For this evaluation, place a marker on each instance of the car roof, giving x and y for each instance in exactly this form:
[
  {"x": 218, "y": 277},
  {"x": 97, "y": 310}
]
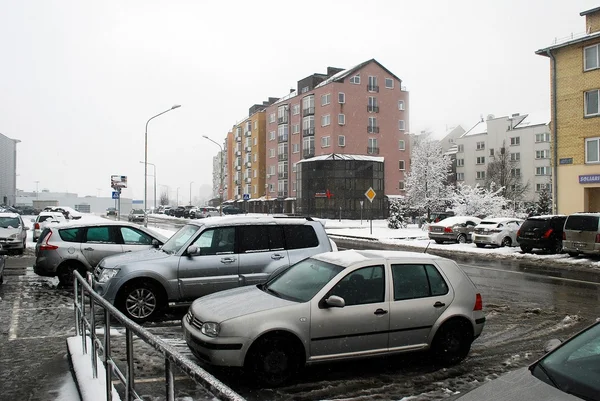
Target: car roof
[
  {"x": 546, "y": 217},
  {"x": 456, "y": 219},
  {"x": 352, "y": 257},
  {"x": 51, "y": 214},
  {"x": 249, "y": 220},
  {"x": 97, "y": 224},
  {"x": 8, "y": 214},
  {"x": 499, "y": 219},
  {"x": 594, "y": 214}
]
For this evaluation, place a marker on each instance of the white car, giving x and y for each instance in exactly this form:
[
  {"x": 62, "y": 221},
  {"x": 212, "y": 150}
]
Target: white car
[
  {"x": 500, "y": 231},
  {"x": 43, "y": 219}
]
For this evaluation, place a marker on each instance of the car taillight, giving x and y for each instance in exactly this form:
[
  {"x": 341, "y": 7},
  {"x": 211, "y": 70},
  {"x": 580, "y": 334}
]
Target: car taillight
[
  {"x": 518, "y": 233},
  {"x": 565, "y": 236},
  {"x": 36, "y": 226},
  {"x": 430, "y": 228},
  {"x": 548, "y": 233},
  {"x": 478, "y": 303},
  {"x": 597, "y": 238},
  {"x": 45, "y": 245},
  {"x": 447, "y": 229}
]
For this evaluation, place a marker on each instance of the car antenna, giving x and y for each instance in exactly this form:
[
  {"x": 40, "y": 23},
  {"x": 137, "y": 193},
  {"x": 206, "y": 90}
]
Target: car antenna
[{"x": 427, "y": 247}]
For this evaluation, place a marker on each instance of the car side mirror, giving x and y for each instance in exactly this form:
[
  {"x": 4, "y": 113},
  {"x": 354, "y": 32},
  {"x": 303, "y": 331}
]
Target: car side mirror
[
  {"x": 552, "y": 344},
  {"x": 335, "y": 302},
  {"x": 155, "y": 243},
  {"x": 193, "y": 250}
]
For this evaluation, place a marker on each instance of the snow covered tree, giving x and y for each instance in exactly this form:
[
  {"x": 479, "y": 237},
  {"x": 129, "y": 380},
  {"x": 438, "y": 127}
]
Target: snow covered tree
[
  {"x": 398, "y": 211},
  {"x": 504, "y": 170},
  {"x": 427, "y": 189},
  {"x": 479, "y": 201},
  {"x": 164, "y": 198},
  {"x": 544, "y": 203}
]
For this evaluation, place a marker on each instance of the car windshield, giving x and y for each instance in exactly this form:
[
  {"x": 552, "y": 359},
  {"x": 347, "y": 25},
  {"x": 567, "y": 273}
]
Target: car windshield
[
  {"x": 180, "y": 238},
  {"x": 303, "y": 280},
  {"x": 582, "y": 223},
  {"x": 9, "y": 222},
  {"x": 137, "y": 211},
  {"x": 574, "y": 366}
]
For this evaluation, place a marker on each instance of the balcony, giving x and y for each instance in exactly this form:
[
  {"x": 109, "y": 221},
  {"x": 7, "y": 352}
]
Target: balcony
[
  {"x": 308, "y": 111},
  {"x": 308, "y": 131},
  {"x": 373, "y": 129},
  {"x": 284, "y": 119},
  {"x": 373, "y": 109},
  {"x": 238, "y": 138},
  {"x": 248, "y": 133},
  {"x": 237, "y": 182},
  {"x": 372, "y": 150},
  {"x": 248, "y": 149},
  {"x": 282, "y": 156},
  {"x": 310, "y": 152},
  {"x": 282, "y": 138},
  {"x": 238, "y": 153},
  {"x": 248, "y": 164},
  {"x": 282, "y": 175},
  {"x": 248, "y": 180},
  {"x": 238, "y": 168},
  {"x": 282, "y": 194},
  {"x": 373, "y": 88}
]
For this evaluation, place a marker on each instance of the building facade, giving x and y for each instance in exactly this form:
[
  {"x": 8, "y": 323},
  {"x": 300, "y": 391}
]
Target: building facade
[
  {"x": 575, "y": 103},
  {"x": 8, "y": 170}
]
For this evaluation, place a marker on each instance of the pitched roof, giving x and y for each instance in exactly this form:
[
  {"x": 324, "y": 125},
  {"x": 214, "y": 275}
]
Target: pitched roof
[
  {"x": 590, "y": 11},
  {"x": 571, "y": 40},
  {"x": 339, "y": 156},
  {"x": 343, "y": 74}
]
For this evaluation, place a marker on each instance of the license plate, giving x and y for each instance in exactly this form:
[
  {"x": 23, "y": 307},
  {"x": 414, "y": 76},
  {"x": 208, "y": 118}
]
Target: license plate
[{"x": 580, "y": 245}]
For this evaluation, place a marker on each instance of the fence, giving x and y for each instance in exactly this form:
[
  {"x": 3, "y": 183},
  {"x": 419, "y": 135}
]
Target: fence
[{"x": 87, "y": 326}]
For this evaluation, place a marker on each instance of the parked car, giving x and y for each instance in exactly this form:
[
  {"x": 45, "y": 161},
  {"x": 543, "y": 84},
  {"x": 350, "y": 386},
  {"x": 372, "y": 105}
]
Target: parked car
[
  {"x": 2, "y": 262},
  {"x": 167, "y": 210},
  {"x": 454, "y": 229},
  {"x": 349, "y": 304},
  {"x": 207, "y": 211},
  {"x": 68, "y": 212},
  {"x": 136, "y": 215},
  {"x": 178, "y": 211},
  {"x": 436, "y": 217},
  {"x": 43, "y": 219},
  {"x": 542, "y": 232},
  {"x": 13, "y": 232},
  {"x": 567, "y": 372},
  {"x": 64, "y": 249},
  {"x": 186, "y": 211},
  {"x": 111, "y": 211},
  {"x": 204, "y": 257},
  {"x": 581, "y": 234},
  {"x": 192, "y": 212},
  {"x": 229, "y": 209},
  {"x": 500, "y": 231}
]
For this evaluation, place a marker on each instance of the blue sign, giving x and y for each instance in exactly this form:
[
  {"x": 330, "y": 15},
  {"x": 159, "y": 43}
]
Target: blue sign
[
  {"x": 589, "y": 179},
  {"x": 115, "y": 195},
  {"x": 566, "y": 160},
  {"x": 246, "y": 196},
  {"x": 137, "y": 202}
]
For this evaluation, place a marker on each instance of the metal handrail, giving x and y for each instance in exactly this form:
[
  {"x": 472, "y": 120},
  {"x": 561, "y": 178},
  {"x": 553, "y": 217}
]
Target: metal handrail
[{"x": 85, "y": 327}]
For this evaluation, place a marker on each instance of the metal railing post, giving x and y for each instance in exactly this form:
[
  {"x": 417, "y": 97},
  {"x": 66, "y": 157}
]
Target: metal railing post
[
  {"x": 77, "y": 319},
  {"x": 169, "y": 380},
  {"x": 107, "y": 364},
  {"x": 83, "y": 328},
  {"x": 93, "y": 335},
  {"x": 129, "y": 388}
]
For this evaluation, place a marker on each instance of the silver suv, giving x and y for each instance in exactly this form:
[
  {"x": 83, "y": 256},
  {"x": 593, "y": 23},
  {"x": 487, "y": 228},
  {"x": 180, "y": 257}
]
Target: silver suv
[
  {"x": 66, "y": 248},
  {"x": 206, "y": 256},
  {"x": 13, "y": 232}
]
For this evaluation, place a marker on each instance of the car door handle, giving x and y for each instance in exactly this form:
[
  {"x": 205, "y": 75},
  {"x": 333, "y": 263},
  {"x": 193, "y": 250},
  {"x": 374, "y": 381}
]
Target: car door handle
[
  {"x": 277, "y": 256},
  {"x": 380, "y": 311},
  {"x": 88, "y": 249},
  {"x": 227, "y": 260},
  {"x": 438, "y": 304}
]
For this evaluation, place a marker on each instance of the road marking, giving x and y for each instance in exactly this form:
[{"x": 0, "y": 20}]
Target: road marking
[
  {"x": 531, "y": 274},
  {"x": 14, "y": 320}
]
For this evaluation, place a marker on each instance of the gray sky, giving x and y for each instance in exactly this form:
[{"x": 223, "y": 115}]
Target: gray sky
[{"x": 79, "y": 79}]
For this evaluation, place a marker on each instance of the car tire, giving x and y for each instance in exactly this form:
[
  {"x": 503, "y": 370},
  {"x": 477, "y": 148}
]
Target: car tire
[
  {"x": 526, "y": 249},
  {"x": 439, "y": 241},
  {"x": 480, "y": 245},
  {"x": 272, "y": 360},
  {"x": 573, "y": 254},
  {"x": 140, "y": 301},
  {"x": 65, "y": 273},
  {"x": 556, "y": 247},
  {"x": 461, "y": 239},
  {"x": 1, "y": 276},
  {"x": 452, "y": 343},
  {"x": 506, "y": 242}
]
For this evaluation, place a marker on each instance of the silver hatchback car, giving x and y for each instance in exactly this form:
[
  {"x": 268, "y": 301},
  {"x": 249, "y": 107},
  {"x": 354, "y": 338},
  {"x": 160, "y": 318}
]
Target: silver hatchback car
[{"x": 335, "y": 306}]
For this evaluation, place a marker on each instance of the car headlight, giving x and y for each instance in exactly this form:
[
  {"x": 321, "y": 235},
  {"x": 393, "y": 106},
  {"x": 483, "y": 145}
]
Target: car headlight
[
  {"x": 107, "y": 274},
  {"x": 13, "y": 236},
  {"x": 210, "y": 329}
]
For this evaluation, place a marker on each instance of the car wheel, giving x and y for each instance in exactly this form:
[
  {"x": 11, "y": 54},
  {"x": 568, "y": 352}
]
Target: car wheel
[
  {"x": 461, "y": 239},
  {"x": 2, "y": 277},
  {"x": 573, "y": 254},
  {"x": 556, "y": 246},
  {"x": 506, "y": 242},
  {"x": 439, "y": 241},
  {"x": 140, "y": 301},
  {"x": 452, "y": 343},
  {"x": 480, "y": 245},
  {"x": 65, "y": 273},
  {"x": 272, "y": 360},
  {"x": 526, "y": 249}
]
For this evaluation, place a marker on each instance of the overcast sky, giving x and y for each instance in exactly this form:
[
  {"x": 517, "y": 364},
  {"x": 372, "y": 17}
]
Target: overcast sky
[{"x": 79, "y": 79}]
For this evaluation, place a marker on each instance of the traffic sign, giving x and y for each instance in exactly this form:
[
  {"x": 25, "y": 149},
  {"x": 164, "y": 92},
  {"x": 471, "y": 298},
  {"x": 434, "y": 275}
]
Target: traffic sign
[
  {"x": 115, "y": 195},
  {"x": 370, "y": 194},
  {"x": 246, "y": 196}
]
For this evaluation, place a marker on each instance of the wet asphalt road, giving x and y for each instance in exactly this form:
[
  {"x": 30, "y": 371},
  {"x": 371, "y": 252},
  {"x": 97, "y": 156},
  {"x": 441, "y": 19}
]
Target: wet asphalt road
[{"x": 523, "y": 311}]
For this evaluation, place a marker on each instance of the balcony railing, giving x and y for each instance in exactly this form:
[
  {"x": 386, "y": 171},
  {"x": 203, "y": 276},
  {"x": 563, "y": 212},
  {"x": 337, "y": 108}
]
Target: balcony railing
[
  {"x": 308, "y": 131},
  {"x": 282, "y": 175},
  {"x": 248, "y": 164},
  {"x": 310, "y": 152},
  {"x": 309, "y": 111},
  {"x": 282, "y": 194},
  {"x": 248, "y": 133},
  {"x": 373, "y": 88},
  {"x": 238, "y": 138},
  {"x": 283, "y": 156},
  {"x": 248, "y": 180},
  {"x": 372, "y": 129},
  {"x": 282, "y": 138},
  {"x": 373, "y": 109},
  {"x": 248, "y": 149},
  {"x": 238, "y": 168},
  {"x": 283, "y": 120},
  {"x": 372, "y": 151}
]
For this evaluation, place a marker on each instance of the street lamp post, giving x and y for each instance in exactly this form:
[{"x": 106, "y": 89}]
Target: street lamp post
[
  {"x": 220, "y": 174},
  {"x": 191, "y": 192},
  {"x": 146, "y": 159},
  {"x": 154, "y": 170},
  {"x": 177, "y": 196}
]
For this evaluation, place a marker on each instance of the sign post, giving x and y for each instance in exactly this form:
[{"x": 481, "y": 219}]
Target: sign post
[
  {"x": 361, "y": 209},
  {"x": 118, "y": 182},
  {"x": 370, "y": 194}
]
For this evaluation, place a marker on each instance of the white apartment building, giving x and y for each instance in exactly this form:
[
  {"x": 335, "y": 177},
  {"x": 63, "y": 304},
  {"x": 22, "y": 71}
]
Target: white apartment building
[
  {"x": 8, "y": 170},
  {"x": 527, "y": 139}
]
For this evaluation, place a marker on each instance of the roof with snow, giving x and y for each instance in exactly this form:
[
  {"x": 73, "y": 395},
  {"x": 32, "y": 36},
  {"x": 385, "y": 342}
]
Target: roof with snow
[
  {"x": 537, "y": 118},
  {"x": 478, "y": 129},
  {"x": 338, "y": 156},
  {"x": 343, "y": 74},
  {"x": 570, "y": 40},
  {"x": 286, "y": 97}
]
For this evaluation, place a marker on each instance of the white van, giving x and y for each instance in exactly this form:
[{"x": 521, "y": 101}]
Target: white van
[{"x": 582, "y": 234}]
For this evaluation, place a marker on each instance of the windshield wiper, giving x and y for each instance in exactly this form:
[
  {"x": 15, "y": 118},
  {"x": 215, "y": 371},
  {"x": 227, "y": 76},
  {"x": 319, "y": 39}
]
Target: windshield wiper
[
  {"x": 278, "y": 295},
  {"x": 543, "y": 369}
]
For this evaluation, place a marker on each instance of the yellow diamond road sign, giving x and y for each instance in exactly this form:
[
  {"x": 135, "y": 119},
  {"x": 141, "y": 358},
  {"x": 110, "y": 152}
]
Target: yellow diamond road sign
[{"x": 370, "y": 194}]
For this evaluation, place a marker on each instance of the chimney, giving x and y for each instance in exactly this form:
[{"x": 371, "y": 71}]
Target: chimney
[
  {"x": 292, "y": 90},
  {"x": 592, "y": 20}
]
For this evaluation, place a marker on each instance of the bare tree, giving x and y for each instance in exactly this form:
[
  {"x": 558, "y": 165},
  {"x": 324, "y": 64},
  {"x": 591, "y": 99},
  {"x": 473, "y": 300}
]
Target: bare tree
[
  {"x": 164, "y": 198},
  {"x": 504, "y": 171}
]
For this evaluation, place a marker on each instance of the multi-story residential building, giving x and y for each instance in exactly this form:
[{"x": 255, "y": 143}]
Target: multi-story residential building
[
  {"x": 527, "y": 139},
  {"x": 8, "y": 170},
  {"x": 575, "y": 98},
  {"x": 448, "y": 141},
  {"x": 358, "y": 115}
]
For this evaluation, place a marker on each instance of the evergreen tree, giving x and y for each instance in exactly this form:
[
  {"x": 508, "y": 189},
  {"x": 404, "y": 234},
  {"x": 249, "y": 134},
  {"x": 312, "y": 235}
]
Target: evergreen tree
[{"x": 398, "y": 210}]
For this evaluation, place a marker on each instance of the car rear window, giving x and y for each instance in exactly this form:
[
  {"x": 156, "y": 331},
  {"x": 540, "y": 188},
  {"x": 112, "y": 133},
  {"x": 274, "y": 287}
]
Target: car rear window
[
  {"x": 535, "y": 223},
  {"x": 582, "y": 223},
  {"x": 300, "y": 236},
  {"x": 67, "y": 234}
]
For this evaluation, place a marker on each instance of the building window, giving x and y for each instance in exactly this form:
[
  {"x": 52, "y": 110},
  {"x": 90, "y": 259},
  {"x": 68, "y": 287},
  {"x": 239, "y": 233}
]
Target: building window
[
  {"x": 271, "y": 153},
  {"x": 401, "y": 125},
  {"x": 545, "y": 137},
  {"x": 480, "y": 160},
  {"x": 294, "y": 186},
  {"x": 592, "y": 150},
  {"x": 389, "y": 83},
  {"x": 325, "y": 141},
  {"x": 304, "y": 90},
  {"x": 401, "y": 185},
  {"x": 282, "y": 149},
  {"x": 255, "y": 173},
  {"x": 341, "y": 98},
  {"x": 255, "y": 157},
  {"x": 515, "y": 157},
  {"x": 492, "y": 152},
  {"x": 325, "y": 99},
  {"x": 480, "y": 175},
  {"x": 515, "y": 172},
  {"x": 255, "y": 141},
  {"x": 325, "y": 120},
  {"x": 272, "y": 117},
  {"x": 460, "y": 162},
  {"x": 296, "y": 129},
  {"x": 373, "y": 148},
  {"x": 542, "y": 170},
  {"x": 460, "y": 176},
  {"x": 372, "y": 104},
  {"x": 296, "y": 109},
  {"x": 341, "y": 140},
  {"x": 401, "y": 165},
  {"x": 480, "y": 146},
  {"x": 372, "y": 122},
  {"x": 591, "y": 56},
  {"x": 372, "y": 85},
  {"x": 295, "y": 148},
  {"x": 515, "y": 141},
  {"x": 294, "y": 167},
  {"x": 272, "y": 136},
  {"x": 461, "y": 148},
  {"x": 271, "y": 187},
  {"x": 541, "y": 187},
  {"x": 355, "y": 79},
  {"x": 401, "y": 144},
  {"x": 341, "y": 119},
  {"x": 255, "y": 124},
  {"x": 591, "y": 103},
  {"x": 400, "y": 104},
  {"x": 542, "y": 154},
  {"x": 272, "y": 170}
]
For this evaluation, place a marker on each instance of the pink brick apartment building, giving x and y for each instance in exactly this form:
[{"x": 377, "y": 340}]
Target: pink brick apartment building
[{"x": 335, "y": 136}]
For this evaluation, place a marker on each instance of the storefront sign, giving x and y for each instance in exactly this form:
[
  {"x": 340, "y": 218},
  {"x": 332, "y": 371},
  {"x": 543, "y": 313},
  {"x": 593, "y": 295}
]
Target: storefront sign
[
  {"x": 566, "y": 160},
  {"x": 589, "y": 179}
]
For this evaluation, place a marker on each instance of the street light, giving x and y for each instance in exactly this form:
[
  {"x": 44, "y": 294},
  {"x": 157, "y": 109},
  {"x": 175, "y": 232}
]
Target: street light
[
  {"x": 220, "y": 174},
  {"x": 177, "y": 196},
  {"x": 154, "y": 167},
  {"x": 191, "y": 192},
  {"x": 146, "y": 158}
]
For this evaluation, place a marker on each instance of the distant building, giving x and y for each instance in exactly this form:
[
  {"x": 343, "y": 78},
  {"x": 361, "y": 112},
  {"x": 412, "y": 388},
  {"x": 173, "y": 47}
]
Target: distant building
[
  {"x": 8, "y": 170},
  {"x": 575, "y": 98},
  {"x": 94, "y": 204}
]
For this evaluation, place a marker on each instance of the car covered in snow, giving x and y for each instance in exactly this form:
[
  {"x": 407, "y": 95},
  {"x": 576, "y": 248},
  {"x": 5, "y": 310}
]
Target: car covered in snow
[
  {"x": 499, "y": 231},
  {"x": 13, "y": 232},
  {"x": 453, "y": 229}
]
